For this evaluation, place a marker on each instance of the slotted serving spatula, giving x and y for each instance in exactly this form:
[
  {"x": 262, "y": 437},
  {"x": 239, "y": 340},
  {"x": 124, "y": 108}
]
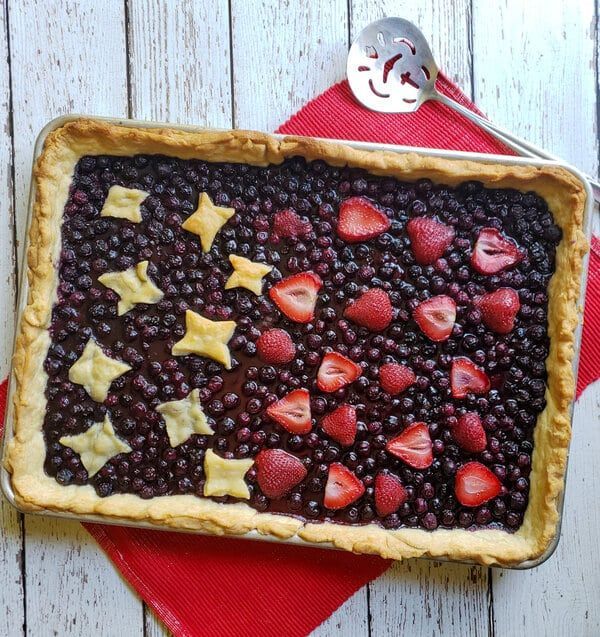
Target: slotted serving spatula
[{"x": 391, "y": 69}]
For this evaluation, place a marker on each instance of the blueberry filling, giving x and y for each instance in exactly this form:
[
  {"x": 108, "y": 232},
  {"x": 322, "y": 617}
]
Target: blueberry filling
[{"x": 236, "y": 400}]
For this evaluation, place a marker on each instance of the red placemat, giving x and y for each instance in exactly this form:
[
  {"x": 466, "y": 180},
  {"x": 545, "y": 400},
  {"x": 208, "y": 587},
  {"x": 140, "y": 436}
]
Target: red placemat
[{"x": 209, "y": 587}]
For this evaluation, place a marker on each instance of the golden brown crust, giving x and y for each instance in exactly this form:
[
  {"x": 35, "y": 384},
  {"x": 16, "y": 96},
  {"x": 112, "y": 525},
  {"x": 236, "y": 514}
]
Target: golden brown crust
[{"x": 34, "y": 490}]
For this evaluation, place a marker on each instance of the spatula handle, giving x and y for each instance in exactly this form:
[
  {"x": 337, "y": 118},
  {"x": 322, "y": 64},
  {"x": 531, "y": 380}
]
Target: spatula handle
[{"x": 517, "y": 144}]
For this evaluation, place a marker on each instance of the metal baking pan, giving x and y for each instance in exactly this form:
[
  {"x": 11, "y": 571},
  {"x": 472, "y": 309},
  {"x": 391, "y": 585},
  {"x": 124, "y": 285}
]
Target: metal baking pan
[{"x": 5, "y": 482}]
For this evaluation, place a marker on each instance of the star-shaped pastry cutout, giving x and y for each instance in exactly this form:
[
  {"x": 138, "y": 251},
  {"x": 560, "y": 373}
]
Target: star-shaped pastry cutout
[
  {"x": 207, "y": 221},
  {"x": 96, "y": 371},
  {"x": 225, "y": 477},
  {"x": 247, "y": 274},
  {"x": 124, "y": 203},
  {"x": 133, "y": 286},
  {"x": 184, "y": 418},
  {"x": 97, "y": 445},
  {"x": 205, "y": 338}
]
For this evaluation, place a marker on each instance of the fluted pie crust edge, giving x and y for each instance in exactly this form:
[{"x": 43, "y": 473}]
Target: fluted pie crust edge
[{"x": 34, "y": 490}]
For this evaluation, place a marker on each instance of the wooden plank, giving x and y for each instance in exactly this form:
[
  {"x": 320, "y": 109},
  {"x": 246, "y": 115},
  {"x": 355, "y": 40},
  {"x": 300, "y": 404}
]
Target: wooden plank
[
  {"x": 12, "y": 593},
  {"x": 539, "y": 82},
  {"x": 153, "y": 627},
  {"x": 284, "y": 54},
  {"x": 76, "y": 65},
  {"x": 534, "y": 73},
  {"x": 351, "y": 619},
  {"x": 179, "y": 62},
  {"x": 560, "y": 597},
  {"x": 7, "y": 247},
  {"x": 430, "y": 598},
  {"x": 445, "y": 25},
  {"x": 12, "y": 590},
  {"x": 293, "y": 58},
  {"x": 72, "y": 589},
  {"x": 179, "y": 71},
  {"x": 421, "y": 597}
]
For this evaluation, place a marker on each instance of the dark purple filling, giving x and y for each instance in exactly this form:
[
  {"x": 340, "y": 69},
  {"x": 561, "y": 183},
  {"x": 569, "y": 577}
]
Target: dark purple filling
[{"x": 235, "y": 400}]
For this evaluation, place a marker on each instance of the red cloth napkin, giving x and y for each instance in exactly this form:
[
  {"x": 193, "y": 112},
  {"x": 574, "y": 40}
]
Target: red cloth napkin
[
  {"x": 589, "y": 357},
  {"x": 217, "y": 586}
]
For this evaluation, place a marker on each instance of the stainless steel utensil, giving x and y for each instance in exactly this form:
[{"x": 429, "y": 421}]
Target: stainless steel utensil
[{"x": 391, "y": 69}]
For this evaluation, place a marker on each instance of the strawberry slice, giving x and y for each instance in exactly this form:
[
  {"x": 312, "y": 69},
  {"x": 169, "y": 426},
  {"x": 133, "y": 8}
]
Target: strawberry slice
[
  {"x": 292, "y": 412},
  {"x": 499, "y": 309},
  {"x": 436, "y": 317},
  {"x": 373, "y": 310},
  {"x": 390, "y": 494},
  {"x": 475, "y": 484},
  {"x": 276, "y": 346},
  {"x": 278, "y": 472},
  {"x": 336, "y": 371},
  {"x": 469, "y": 433},
  {"x": 395, "y": 378},
  {"x": 296, "y": 296},
  {"x": 466, "y": 377},
  {"x": 342, "y": 488},
  {"x": 429, "y": 239},
  {"x": 287, "y": 223},
  {"x": 494, "y": 252},
  {"x": 340, "y": 424},
  {"x": 360, "y": 220},
  {"x": 413, "y": 446}
]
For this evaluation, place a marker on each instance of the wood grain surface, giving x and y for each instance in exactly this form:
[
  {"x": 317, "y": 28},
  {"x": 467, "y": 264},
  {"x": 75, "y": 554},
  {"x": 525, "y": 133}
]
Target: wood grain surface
[
  {"x": 531, "y": 66},
  {"x": 75, "y": 63},
  {"x": 11, "y": 537},
  {"x": 284, "y": 53}
]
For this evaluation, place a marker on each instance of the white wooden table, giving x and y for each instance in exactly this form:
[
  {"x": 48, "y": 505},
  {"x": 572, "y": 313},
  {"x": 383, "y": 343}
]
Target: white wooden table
[{"x": 530, "y": 65}]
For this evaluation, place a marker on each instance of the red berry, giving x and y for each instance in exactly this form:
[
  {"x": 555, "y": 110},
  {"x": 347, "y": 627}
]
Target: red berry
[
  {"x": 286, "y": 223},
  {"x": 296, "y": 296},
  {"x": 413, "y": 446},
  {"x": 336, "y": 371},
  {"x": 390, "y": 494},
  {"x": 360, "y": 220},
  {"x": 499, "y": 309},
  {"x": 466, "y": 377},
  {"x": 493, "y": 252},
  {"x": 342, "y": 488},
  {"x": 372, "y": 310},
  {"x": 475, "y": 484},
  {"x": 395, "y": 378},
  {"x": 292, "y": 412},
  {"x": 276, "y": 346},
  {"x": 340, "y": 424},
  {"x": 469, "y": 433},
  {"x": 429, "y": 239},
  {"x": 436, "y": 317},
  {"x": 278, "y": 472}
]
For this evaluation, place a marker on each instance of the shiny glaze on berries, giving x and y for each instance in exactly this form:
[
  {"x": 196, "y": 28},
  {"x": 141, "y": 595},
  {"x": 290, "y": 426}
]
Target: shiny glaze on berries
[{"x": 235, "y": 401}]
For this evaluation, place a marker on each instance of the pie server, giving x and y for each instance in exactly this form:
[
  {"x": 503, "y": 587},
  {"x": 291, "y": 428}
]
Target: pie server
[{"x": 391, "y": 69}]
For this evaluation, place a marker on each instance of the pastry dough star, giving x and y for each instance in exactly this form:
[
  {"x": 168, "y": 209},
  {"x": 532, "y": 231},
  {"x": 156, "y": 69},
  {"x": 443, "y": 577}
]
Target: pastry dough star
[
  {"x": 205, "y": 338},
  {"x": 133, "y": 286},
  {"x": 184, "y": 418},
  {"x": 247, "y": 274},
  {"x": 124, "y": 203},
  {"x": 97, "y": 445},
  {"x": 225, "y": 477},
  {"x": 207, "y": 221},
  {"x": 96, "y": 371}
]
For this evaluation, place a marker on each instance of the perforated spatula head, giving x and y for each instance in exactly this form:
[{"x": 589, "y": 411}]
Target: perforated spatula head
[{"x": 390, "y": 67}]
